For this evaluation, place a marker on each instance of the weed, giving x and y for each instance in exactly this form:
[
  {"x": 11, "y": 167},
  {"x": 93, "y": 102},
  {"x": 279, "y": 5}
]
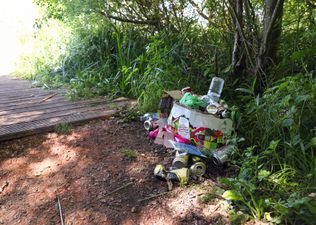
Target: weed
[
  {"x": 205, "y": 198},
  {"x": 129, "y": 114},
  {"x": 129, "y": 154},
  {"x": 63, "y": 128}
]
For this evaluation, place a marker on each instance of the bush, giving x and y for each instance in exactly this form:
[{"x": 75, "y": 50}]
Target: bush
[{"x": 278, "y": 174}]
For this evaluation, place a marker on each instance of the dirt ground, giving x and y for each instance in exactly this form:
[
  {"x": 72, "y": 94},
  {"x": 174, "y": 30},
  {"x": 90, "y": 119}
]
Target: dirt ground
[{"x": 86, "y": 168}]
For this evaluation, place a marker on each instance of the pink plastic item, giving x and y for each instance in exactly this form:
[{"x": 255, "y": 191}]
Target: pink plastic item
[
  {"x": 153, "y": 134},
  {"x": 180, "y": 139}
]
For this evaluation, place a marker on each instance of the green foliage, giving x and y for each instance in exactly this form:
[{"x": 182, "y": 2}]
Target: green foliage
[
  {"x": 277, "y": 179},
  {"x": 284, "y": 112},
  {"x": 129, "y": 154},
  {"x": 206, "y": 197},
  {"x": 63, "y": 128},
  {"x": 39, "y": 60}
]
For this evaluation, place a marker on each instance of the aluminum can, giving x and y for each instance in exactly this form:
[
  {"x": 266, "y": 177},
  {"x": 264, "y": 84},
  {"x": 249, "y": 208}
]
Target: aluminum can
[
  {"x": 221, "y": 155},
  {"x": 181, "y": 160},
  {"x": 198, "y": 169}
]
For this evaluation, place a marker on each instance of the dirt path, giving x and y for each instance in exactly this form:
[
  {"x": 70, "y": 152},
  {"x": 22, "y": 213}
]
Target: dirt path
[{"x": 83, "y": 168}]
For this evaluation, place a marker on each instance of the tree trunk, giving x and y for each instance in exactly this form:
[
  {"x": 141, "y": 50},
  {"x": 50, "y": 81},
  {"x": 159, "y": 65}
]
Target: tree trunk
[
  {"x": 238, "y": 59},
  {"x": 269, "y": 42}
]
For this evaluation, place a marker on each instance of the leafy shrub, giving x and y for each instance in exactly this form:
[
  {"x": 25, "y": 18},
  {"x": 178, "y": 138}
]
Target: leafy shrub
[{"x": 278, "y": 174}]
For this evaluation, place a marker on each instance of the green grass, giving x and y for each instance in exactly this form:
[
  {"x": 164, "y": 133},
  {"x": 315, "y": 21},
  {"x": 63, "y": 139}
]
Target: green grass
[
  {"x": 63, "y": 128},
  {"x": 129, "y": 154},
  {"x": 205, "y": 198}
]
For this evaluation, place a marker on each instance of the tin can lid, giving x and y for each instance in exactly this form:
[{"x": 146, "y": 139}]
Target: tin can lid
[{"x": 212, "y": 109}]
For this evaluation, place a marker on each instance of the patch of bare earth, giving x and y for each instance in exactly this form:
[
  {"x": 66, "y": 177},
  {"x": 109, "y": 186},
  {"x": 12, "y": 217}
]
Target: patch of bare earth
[{"x": 85, "y": 170}]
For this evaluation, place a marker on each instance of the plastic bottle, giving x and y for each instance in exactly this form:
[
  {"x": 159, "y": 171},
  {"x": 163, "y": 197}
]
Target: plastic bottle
[{"x": 216, "y": 88}]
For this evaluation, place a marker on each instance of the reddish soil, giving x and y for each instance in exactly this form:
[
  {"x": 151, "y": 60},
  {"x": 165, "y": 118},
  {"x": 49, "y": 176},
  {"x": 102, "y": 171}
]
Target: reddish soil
[{"x": 83, "y": 168}]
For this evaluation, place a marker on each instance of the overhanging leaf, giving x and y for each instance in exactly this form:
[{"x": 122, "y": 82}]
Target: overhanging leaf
[
  {"x": 232, "y": 195},
  {"x": 245, "y": 90}
]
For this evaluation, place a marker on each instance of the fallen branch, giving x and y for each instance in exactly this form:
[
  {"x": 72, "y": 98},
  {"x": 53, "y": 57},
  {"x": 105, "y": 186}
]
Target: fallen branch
[
  {"x": 60, "y": 212},
  {"x": 48, "y": 97},
  {"x": 4, "y": 185},
  {"x": 118, "y": 189},
  {"x": 153, "y": 196}
]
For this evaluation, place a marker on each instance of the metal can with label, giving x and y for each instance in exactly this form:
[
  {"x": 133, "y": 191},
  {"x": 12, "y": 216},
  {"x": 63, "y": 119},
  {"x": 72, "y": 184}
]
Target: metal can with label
[{"x": 181, "y": 160}]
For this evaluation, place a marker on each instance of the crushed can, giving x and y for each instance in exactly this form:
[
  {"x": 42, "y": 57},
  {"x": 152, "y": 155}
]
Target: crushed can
[
  {"x": 145, "y": 117},
  {"x": 181, "y": 160},
  {"x": 179, "y": 175},
  {"x": 150, "y": 125},
  {"x": 198, "y": 169},
  {"x": 160, "y": 172},
  {"x": 221, "y": 155}
]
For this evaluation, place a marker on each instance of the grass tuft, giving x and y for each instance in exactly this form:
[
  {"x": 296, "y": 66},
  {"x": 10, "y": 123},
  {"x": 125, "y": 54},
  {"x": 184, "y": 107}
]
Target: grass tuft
[
  {"x": 63, "y": 128},
  {"x": 129, "y": 154}
]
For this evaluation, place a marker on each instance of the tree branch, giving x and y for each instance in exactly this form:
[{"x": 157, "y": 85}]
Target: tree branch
[
  {"x": 202, "y": 14},
  {"x": 126, "y": 20},
  {"x": 242, "y": 34}
]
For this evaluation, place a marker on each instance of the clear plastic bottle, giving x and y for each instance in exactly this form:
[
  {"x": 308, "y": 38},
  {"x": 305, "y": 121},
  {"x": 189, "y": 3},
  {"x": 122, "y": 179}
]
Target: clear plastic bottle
[{"x": 216, "y": 88}]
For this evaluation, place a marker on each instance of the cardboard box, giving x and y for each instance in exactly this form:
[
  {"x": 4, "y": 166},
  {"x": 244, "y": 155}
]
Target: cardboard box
[{"x": 201, "y": 119}]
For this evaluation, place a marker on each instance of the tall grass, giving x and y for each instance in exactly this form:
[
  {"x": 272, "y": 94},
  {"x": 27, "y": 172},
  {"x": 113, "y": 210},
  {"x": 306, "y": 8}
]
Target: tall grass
[
  {"x": 108, "y": 59},
  {"x": 280, "y": 168}
]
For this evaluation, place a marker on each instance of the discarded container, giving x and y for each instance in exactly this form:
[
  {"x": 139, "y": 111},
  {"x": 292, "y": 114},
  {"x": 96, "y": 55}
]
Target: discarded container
[
  {"x": 153, "y": 134},
  {"x": 206, "y": 99},
  {"x": 192, "y": 101},
  {"x": 184, "y": 127},
  {"x": 145, "y": 117},
  {"x": 212, "y": 109},
  {"x": 223, "y": 113},
  {"x": 179, "y": 175},
  {"x": 185, "y": 90},
  {"x": 150, "y": 125},
  {"x": 216, "y": 88},
  {"x": 195, "y": 158},
  {"x": 160, "y": 172},
  {"x": 198, "y": 169},
  {"x": 153, "y": 116},
  {"x": 221, "y": 155},
  {"x": 181, "y": 160}
]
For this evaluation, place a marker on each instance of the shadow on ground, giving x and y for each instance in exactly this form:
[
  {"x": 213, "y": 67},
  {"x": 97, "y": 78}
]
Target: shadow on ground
[{"x": 85, "y": 170}]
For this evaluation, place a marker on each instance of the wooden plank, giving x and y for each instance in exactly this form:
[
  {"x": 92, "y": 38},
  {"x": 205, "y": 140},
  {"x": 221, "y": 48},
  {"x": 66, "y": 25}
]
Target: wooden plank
[
  {"x": 56, "y": 113},
  {"x": 31, "y": 100},
  {"x": 16, "y": 84},
  {"x": 21, "y": 112},
  {"x": 44, "y": 126},
  {"x": 51, "y": 103},
  {"x": 67, "y": 108},
  {"x": 7, "y": 98},
  {"x": 27, "y": 91}
]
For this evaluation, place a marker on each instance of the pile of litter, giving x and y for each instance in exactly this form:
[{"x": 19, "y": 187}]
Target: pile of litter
[{"x": 198, "y": 128}]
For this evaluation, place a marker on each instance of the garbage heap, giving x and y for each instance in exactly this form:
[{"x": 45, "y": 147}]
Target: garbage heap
[{"x": 196, "y": 127}]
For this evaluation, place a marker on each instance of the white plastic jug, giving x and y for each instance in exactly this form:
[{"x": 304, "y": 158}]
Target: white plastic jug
[{"x": 216, "y": 88}]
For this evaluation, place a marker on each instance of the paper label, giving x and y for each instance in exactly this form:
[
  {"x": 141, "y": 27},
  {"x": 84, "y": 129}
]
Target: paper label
[{"x": 184, "y": 127}]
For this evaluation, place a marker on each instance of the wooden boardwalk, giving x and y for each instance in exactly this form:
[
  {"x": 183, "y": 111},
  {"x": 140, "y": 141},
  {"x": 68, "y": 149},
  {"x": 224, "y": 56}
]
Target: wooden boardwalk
[{"x": 25, "y": 110}]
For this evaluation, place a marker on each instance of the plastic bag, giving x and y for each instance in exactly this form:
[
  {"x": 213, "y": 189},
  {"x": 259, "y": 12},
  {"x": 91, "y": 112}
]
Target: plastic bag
[{"x": 192, "y": 101}]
